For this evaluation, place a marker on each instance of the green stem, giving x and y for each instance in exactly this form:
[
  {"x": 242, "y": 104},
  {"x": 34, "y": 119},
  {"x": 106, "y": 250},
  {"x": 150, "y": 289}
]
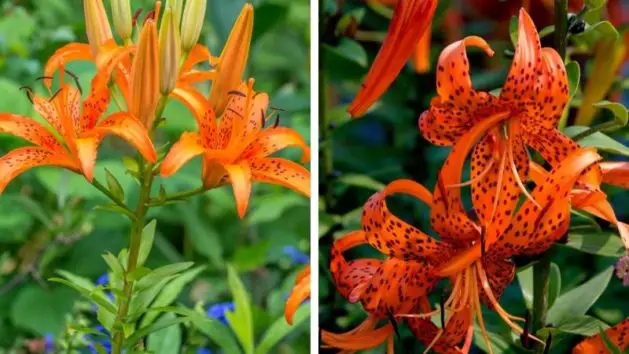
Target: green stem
[
  {"x": 561, "y": 26},
  {"x": 327, "y": 163},
  {"x": 176, "y": 196},
  {"x": 595, "y": 129},
  {"x": 112, "y": 197}
]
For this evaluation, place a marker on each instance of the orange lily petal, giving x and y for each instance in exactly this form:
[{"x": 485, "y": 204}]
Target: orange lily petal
[
  {"x": 273, "y": 140},
  {"x": 300, "y": 292},
  {"x": 196, "y": 103},
  {"x": 196, "y": 77},
  {"x": 282, "y": 172},
  {"x": 130, "y": 129},
  {"x": 64, "y": 55},
  {"x": 410, "y": 20},
  {"x": 188, "y": 147},
  {"x": 20, "y": 160},
  {"x": 87, "y": 150},
  {"x": 48, "y": 111},
  {"x": 391, "y": 235},
  {"x": 350, "y": 275},
  {"x": 421, "y": 58},
  {"x": 240, "y": 179},
  {"x": 233, "y": 115},
  {"x": 619, "y": 335},
  {"x": 197, "y": 55},
  {"x": 616, "y": 173},
  {"x": 499, "y": 273},
  {"x": 455, "y": 331},
  {"x": 365, "y": 336},
  {"x": 28, "y": 129},
  {"x": 521, "y": 81}
]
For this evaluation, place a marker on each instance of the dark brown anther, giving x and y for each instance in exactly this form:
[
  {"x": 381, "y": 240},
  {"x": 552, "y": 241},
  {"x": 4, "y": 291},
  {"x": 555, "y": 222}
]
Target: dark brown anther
[
  {"x": 55, "y": 94},
  {"x": 44, "y": 78},
  {"x": 278, "y": 109},
  {"x": 76, "y": 80},
  {"x": 277, "y": 121},
  {"x": 29, "y": 92},
  {"x": 442, "y": 314},
  {"x": 237, "y": 93},
  {"x": 136, "y": 15},
  {"x": 149, "y": 16},
  {"x": 262, "y": 118},
  {"x": 396, "y": 329},
  {"x": 549, "y": 341},
  {"x": 525, "y": 336}
]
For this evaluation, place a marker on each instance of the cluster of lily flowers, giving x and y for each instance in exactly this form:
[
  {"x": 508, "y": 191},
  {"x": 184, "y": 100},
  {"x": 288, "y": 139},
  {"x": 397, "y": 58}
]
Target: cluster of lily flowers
[
  {"x": 475, "y": 247},
  {"x": 156, "y": 57}
]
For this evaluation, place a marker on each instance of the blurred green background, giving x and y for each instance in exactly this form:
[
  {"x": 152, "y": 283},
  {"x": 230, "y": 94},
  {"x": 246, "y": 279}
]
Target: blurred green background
[
  {"x": 48, "y": 219},
  {"x": 358, "y": 157}
]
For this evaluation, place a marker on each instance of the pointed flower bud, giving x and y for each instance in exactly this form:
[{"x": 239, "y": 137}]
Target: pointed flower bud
[
  {"x": 233, "y": 60},
  {"x": 121, "y": 12},
  {"x": 191, "y": 23},
  {"x": 96, "y": 24},
  {"x": 145, "y": 75},
  {"x": 177, "y": 6},
  {"x": 170, "y": 51}
]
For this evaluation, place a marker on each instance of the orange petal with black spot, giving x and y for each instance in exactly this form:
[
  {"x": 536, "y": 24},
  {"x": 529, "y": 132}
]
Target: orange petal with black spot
[
  {"x": 28, "y": 129},
  {"x": 64, "y": 55},
  {"x": 365, "y": 336},
  {"x": 188, "y": 147},
  {"x": 616, "y": 173},
  {"x": 410, "y": 20},
  {"x": 240, "y": 179},
  {"x": 455, "y": 332},
  {"x": 273, "y": 140},
  {"x": 130, "y": 129},
  {"x": 282, "y": 172},
  {"x": 20, "y": 160},
  {"x": 300, "y": 292},
  {"x": 618, "y": 334}
]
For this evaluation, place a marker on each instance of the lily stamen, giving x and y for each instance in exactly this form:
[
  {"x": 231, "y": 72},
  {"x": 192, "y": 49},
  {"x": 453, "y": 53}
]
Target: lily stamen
[
  {"x": 475, "y": 179},
  {"x": 516, "y": 175}
]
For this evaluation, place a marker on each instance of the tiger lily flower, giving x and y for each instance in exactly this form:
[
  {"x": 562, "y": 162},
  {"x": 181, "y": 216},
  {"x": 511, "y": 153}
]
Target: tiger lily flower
[
  {"x": 618, "y": 334},
  {"x": 77, "y": 130},
  {"x": 524, "y": 116},
  {"x": 411, "y": 19},
  {"x": 238, "y": 149},
  {"x": 300, "y": 292}
]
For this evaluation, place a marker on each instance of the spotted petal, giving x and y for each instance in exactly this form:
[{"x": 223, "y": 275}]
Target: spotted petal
[
  {"x": 28, "y": 129},
  {"x": 188, "y": 147},
  {"x": 618, "y": 334},
  {"x": 273, "y": 140},
  {"x": 20, "y": 160},
  {"x": 300, "y": 292},
  {"x": 281, "y": 172}
]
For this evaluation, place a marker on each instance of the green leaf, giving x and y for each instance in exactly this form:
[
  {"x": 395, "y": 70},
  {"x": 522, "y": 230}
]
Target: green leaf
[
  {"x": 161, "y": 273},
  {"x": 95, "y": 295},
  {"x": 41, "y": 311},
  {"x": 362, "y": 181},
  {"x": 554, "y": 284},
  {"x": 146, "y": 243},
  {"x": 618, "y": 109},
  {"x": 218, "y": 333},
  {"x": 606, "y": 244},
  {"x": 595, "y": 4},
  {"x": 153, "y": 327},
  {"x": 142, "y": 299},
  {"x": 114, "y": 265},
  {"x": 113, "y": 208},
  {"x": 513, "y": 30},
  {"x": 241, "y": 319},
  {"x": 87, "y": 330},
  {"x": 578, "y": 301},
  {"x": 525, "y": 279},
  {"x": 582, "y": 325},
  {"x": 280, "y": 329},
  {"x": 170, "y": 292},
  {"x": 611, "y": 346},
  {"x": 573, "y": 70},
  {"x": 598, "y": 140},
  {"x": 113, "y": 185},
  {"x": 167, "y": 340}
]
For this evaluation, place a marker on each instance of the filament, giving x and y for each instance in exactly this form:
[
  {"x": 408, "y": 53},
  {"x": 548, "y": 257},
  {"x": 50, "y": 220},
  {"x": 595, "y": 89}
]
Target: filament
[
  {"x": 516, "y": 175},
  {"x": 475, "y": 179}
]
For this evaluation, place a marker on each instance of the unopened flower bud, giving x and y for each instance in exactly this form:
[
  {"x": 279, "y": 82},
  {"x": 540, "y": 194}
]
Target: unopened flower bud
[
  {"x": 170, "y": 51},
  {"x": 96, "y": 24},
  {"x": 121, "y": 12},
  {"x": 177, "y": 6},
  {"x": 233, "y": 60},
  {"x": 145, "y": 75},
  {"x": 192, "y": 23}
]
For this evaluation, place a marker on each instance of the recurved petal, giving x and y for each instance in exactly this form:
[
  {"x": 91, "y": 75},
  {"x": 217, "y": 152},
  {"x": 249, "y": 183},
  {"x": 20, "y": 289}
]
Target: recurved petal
[
  {"x": 300, "y": 292},
  {"x": 455, "y": 332},
  {"x": 240, "y": 179},
  {"x": 393, "y": 236},
  {"x": 198, "y": 54},
  {"x": 197, "y": 104},
  {"x": 48, "y": 111},
  {"x": 410, "y": 20},
  {"x": 64, "y": 55},
  {"x": 194, "y": 77},
  {"x": 87, "y": 151},
  {"x": 28, "y": 129},
  {"x": 20, "y": 160},
  {"x": 527, "y": 61},
  {"x": 616, "y": 173},
  {"x": 499, "y": 274},
  {"x": 273, "y": 140},
  {"x": 618, "y": 334},
  {"x": 282, "y": 172},
  {"x": 188, "y": 147},
  {"x": 365, "y": 336},
  {"x": 130, "y": 129},
  {"x": 421, "y": 57}
]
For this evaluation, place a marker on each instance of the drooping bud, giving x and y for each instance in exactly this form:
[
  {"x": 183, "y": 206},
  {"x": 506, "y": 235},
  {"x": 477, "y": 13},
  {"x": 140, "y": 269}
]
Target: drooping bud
[
  {"x": 96, "y": 24},
  {"x": 192, "y": 23},
  {"x": 170, "y": 51},
  {"x": 233, "y": 60},
  {"x": 121, "y": 12},
  {"x": 145, "y": 75},
  {"x": 177, "y": 6}
]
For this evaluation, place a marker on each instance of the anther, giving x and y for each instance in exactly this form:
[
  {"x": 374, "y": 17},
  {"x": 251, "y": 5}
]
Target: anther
[
  {"x": 549, "y": 341},
  {"x": 237, "y": 93},
  {"x": 524, "y": 337},
  {"x": 442, "y": 314},
  {"x": 136, "y": 15},
  {"x": 149, "y": 16},
  {"x": 262, "y": 118},
  {"x": 76, "y": 80},
  {"x": 44, "y": 78},
  {"x": 277, "y": 121},
  {"x": 55, "y": 94},
  {"x": 29, "y": 92}
]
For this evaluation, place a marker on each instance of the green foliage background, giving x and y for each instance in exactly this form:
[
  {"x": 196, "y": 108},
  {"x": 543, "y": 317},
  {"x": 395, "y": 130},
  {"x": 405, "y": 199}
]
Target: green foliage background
[
  {"x": 47, "y": 216},
  {"x": 358, "y": 157}
]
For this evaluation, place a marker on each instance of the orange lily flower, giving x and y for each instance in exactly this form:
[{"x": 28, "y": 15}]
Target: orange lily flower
[
  {"x": 410, "y": 21},
  {"x": 238, "y": 149},
  {"x": 300, "y": 292},
  {"x": 619, "y": 335},
  {"x": 524, "y": 116},
  {"x": 477, "y": 264},
  {"x": 78, "y": 131}
]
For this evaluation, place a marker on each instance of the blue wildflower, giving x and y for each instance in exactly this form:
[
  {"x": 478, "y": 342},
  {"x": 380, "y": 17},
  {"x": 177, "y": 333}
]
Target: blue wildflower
[
  {"x": 103, "y": 280},
  {"x": 204, "y": 351},
  {"x": 96, "y": 340},
  {"x": 217, "y": 311},
  {"x": 49, "y": 343},
  {"x": 297, "y": 256}
]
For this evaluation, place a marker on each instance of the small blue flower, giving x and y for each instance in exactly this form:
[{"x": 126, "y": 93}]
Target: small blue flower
[
  {"x": 204, "y": 351},
  {"x": 297, "y": 256},
  {"x": 217, "y": 311},
  {"x": 103, "y": 280},
  {"x": 96, "y": 340},
  {"x": 49, "y": 343}
]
